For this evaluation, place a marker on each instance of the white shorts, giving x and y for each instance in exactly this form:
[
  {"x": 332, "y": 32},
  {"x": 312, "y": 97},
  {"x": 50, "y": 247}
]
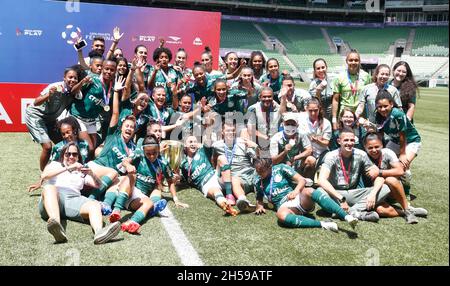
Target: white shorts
[
  {"x": 90, "y": 127},
  {"x": 136, "y": 194},
  {"x": 213, "y": 182},
  {"x": 413, "y": 147},
  {"x": 296, "y": 204}
]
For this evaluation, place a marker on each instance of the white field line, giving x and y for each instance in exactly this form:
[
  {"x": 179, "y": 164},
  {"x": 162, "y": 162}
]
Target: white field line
[{"x": 184, "y": 249}]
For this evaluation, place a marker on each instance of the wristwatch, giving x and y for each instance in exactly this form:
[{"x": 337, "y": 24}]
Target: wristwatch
[{"x": 343, "y": 200}]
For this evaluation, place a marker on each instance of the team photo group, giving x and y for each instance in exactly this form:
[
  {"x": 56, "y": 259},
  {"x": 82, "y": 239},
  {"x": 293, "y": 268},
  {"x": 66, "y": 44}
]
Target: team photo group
[{"x": 128, "y": 132}]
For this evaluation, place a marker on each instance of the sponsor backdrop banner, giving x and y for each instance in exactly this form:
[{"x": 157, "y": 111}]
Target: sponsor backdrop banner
[{"x": 36, "y": 41}]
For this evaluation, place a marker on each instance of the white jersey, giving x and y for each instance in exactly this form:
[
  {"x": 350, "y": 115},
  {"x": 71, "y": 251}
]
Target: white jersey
[
  {"x": 68, "y": 181},
  {"x": 307, "y": 127}
]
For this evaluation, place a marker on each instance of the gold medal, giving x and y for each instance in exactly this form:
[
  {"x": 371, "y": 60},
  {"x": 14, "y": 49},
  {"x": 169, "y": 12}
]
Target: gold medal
[
  {"x": 270, "y": 205},
  {"x": 106, "y": 108}
]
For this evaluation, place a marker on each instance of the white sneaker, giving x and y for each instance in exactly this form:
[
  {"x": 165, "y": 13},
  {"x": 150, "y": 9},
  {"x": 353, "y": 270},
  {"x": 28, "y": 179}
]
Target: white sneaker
[
  {"x": 421, "y": 212},
  {"x": 329, "y": 225},
  {"x": 351, "y": 220}
]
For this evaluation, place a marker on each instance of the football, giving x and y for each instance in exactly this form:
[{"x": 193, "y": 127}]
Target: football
[{"x": 71, "y": 34}]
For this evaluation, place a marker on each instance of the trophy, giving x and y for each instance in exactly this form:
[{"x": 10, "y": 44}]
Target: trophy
[{"x": 172, "y": 151}]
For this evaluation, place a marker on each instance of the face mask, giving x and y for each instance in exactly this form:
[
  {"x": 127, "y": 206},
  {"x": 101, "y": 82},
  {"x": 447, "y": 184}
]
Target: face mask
[{"x": 290, "y": 130}]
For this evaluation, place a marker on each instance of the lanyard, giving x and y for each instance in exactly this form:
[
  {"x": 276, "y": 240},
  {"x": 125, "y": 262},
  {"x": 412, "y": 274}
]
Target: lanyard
[
  {"x": 380, "y": 159},
  {"x": 344, "y": 171},
  {"x": 380, "y": 127},
  {"x": 354, "y": 88},
  {"x": 160, "y": 119},
  {"x": 230, "y": 157},
  {"x": 267, "y": 116},
  {"x": 105, "y": 95},
  {"x": 159, "y": 174}
]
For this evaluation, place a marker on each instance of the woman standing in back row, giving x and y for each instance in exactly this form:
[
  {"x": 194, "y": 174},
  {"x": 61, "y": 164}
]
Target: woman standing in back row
[{"x": 348, "y": 85}]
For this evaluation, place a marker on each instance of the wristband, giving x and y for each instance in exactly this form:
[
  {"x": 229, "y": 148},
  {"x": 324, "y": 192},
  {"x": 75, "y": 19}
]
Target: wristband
[
  {"x": 380, "y": 173},
  {"x": 333, "y": 120},
  {"x": 175, "y": 199}
]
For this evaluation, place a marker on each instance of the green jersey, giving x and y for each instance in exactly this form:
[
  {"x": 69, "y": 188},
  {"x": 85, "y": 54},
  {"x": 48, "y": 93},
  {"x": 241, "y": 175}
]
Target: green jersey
[
  {"x": 231, "y": 103},
  {"x": 115, "y": 149},
  {"x": 274, "y": 84},
  {"x": 277, "y": 186},
  {"x": 82, "y": 145},
  {"x": 202, "y": 91},
  {"x": 245, "y": 102},
  {"x": 163, "y": 115},
  {"x": 164, "y": 79},
  {"x": 95, "y": 96},
  {"x": 349, "y": 87},
  {"x": 141, "y": 119},
  {"x": 197, "y": 170},
  {"x": 398, "y": 122},
  {"x": 148, "y": 174}
]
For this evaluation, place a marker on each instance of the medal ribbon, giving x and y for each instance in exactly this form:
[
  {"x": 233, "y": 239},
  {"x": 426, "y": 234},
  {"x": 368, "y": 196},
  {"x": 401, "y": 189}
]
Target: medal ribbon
[
  {"x": 344, "y": 171},
  {"x": 354, "y": 88}
]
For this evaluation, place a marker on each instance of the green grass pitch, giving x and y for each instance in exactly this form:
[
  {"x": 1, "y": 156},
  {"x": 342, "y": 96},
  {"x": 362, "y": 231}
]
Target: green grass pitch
[{"x": 241, "y": 240}]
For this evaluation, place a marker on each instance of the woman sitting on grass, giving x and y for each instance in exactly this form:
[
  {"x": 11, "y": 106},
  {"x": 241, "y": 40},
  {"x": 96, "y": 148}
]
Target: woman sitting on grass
[
  {"x": 145, "y": 198},
  {"x": 285, "y": 189},
  {"x": 61, "y": 198}
]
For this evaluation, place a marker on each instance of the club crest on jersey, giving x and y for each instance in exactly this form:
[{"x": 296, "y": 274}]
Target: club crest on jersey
[{"x": 278, "y": 178}]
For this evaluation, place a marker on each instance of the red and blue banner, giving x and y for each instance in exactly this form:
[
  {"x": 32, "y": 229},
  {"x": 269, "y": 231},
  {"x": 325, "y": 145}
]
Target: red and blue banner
[{"x": 35, "y": 38}]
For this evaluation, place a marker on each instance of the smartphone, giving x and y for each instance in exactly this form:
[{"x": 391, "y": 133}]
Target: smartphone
[{"x": 80, "y": 45}]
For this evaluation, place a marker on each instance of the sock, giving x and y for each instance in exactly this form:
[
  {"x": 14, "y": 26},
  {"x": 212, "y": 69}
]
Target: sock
[
  {"x": 293, "y": 220},
  {"x": 106, "y": 183},
  {"x": 121, "y": 200},
  {"x": 138, "y": 217},
  {"x": 110, "y": 198},
  {"x": 228, "y": 190},
  {"x": 219, "y": 198},
  {"x": 242, "y": 197},
  {"x": 155, "y": 199},
  {"x": 407, "y": 189},
  {"x": 327, "y": 203}
]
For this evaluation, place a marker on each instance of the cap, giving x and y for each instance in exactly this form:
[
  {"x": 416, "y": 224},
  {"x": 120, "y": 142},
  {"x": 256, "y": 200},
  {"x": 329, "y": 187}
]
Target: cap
[{"x": 290, "y": 116}]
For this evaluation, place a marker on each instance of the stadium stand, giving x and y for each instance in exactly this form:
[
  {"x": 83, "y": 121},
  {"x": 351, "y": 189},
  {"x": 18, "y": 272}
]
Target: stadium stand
[
  {"x": 431, "y": 41},
  {"x": 298, "y": 39},
  {"x": 367, "y": 40},
  {"x": 423, "y": 67},
  {"x": 241, "y": 35}
]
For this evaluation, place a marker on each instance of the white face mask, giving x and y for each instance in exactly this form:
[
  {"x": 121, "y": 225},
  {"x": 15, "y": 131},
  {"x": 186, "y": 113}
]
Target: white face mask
[{"x": 290, "y": 130}]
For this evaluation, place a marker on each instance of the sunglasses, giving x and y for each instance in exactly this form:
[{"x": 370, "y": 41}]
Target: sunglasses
[{"x": 73, "y": 154}]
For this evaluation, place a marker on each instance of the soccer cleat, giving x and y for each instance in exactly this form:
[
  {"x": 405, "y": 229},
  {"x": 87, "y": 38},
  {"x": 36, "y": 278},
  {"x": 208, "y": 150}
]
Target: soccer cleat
[
  {"x": 228, "y": 209},
  {"x": 410, "y": 217},
  {"x": 244, "y": 206},
  {"x": 115, "y": 216},
  {"x": 352, "y": 221},
  {"x": 231, "y": 200},
  {"x": 106, "y": 209},
  {"x": 329, "y": 225},
  {"x": 420, "y": 212},
  {"x": 131, "y": 227},
  {"x": 366, "y": 216},
  {"x": 107, "y": 233},
  {"x": 158, "y": 207},
  {"x": 57, "y": 230}
]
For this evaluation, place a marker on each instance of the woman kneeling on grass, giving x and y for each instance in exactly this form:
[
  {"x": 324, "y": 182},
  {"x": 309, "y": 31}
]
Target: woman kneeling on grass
[
  {"x": 145, "y": 198},
  {"x": 285, "y": 189},
  {"x": 61, "y": 198}
]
